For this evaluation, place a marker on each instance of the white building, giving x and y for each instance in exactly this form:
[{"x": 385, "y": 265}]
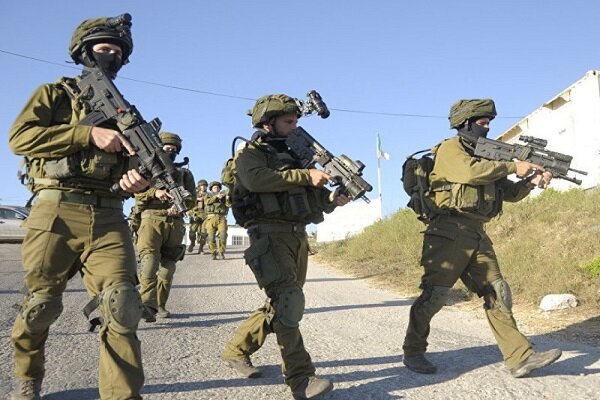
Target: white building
[
  {"x": 236, "y": 236},
  {"x": 349, "y": 220},
  {"x": 570, "y": 122}
]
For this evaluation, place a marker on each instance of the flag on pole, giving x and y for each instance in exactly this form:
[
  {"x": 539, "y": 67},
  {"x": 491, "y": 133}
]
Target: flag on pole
[{"x": 380, "y": 152}]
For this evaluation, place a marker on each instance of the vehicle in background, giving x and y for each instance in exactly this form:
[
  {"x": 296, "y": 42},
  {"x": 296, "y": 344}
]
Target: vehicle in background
[{"x": 11, "y": 223}]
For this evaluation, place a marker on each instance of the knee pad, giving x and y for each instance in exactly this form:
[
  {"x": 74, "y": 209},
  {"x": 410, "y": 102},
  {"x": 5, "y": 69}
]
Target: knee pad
[
  {"x": 121, "y": 307},
  {"x": 166, "y": 270},
  {"x": 499, "y": 297},
  {"x": 433, "y": 299},
  {"x": 40, "y": 311},
  {"x": 289, "y": 306},
  {"x": 149, "y": 265}
]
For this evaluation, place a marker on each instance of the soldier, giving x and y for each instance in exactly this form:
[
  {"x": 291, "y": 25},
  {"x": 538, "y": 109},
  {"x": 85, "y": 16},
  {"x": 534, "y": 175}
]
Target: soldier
[
  {"x": 197, "y": 217},
  {"x": 468, "y": 191},
  {"x": 217, "y": 207},
  {"x": 135, "y": 219},
  {"x": 159, "y": 242},
  {"x": 268, "y": 177},
  {"x": 77, "y": 223}
]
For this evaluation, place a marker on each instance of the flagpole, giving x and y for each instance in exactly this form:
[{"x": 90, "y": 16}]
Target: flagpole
[{"x": 379, "y": 187}]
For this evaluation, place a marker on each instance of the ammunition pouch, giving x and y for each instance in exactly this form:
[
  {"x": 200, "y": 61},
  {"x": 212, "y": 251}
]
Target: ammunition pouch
[{"x": 261, "y": 261}]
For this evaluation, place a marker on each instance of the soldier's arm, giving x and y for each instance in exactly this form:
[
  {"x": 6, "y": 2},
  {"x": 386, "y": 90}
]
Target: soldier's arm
[
  {"x": 456, "y": 165},
  {"x": 39, "y": 132},
  {"x": 253, "y": 173},
  {"x": 515, "y": 191},
  {"x": 145, "y": 196},
  {"x": 190, "y": 185}
]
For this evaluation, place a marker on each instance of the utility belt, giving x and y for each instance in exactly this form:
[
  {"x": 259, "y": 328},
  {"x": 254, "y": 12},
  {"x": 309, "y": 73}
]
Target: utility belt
[
  {"x": 161, "y": 215},
  {"x": 80, "y": 198},
  {"x": 215, "y": 214},
  {"x": 276, "y": 228},
  {"x": 459, "y": 220}
]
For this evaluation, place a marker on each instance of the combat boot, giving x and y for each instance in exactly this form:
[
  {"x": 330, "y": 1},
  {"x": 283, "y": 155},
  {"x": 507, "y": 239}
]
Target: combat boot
[
  {"x": 190, "y": 248},
  {"x": 244, "y": 367},
  {"x": 27, "y": 390},
  {"x": 312, "y": 387},
  {"x": 148, "y": 314},
  {"x": 535, "y": 361},
  {"x": 163, "y": 313},
  {"x": 419, "y": 364},
  {"x": 201, "y": 250},
  {"x": 222, "y": 256},
  {"x": 214, "y": 256}
]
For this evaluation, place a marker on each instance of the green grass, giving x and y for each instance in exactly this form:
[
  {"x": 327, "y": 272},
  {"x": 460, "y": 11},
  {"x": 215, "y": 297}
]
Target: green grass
[{"x": 547, "y": 244}]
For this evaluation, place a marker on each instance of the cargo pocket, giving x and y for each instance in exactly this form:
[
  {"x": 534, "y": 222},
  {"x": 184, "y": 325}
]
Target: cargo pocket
[
  {"x": 261, "y": 262},
  {"x": 41, "y": 219},
  {"x": 39, "y": 245},
  {"x": 438, "y": 232}
]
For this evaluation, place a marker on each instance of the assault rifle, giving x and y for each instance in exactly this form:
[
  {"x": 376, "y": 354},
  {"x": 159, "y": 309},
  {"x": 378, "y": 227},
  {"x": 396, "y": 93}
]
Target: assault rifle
[
  {"x": 104, "y": 102},
  {"x": 345, "y": 172},
  {"x": 534, "y": 151}
]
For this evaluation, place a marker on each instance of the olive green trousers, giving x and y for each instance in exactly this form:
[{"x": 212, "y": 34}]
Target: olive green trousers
[
  {"x": 279, "y": 262},
  {"x": 61, "y": 238},
  {"x": 159, "y": 248},
  {"x": 458, "y": 248},
  {"x": 213, "y": 225}
]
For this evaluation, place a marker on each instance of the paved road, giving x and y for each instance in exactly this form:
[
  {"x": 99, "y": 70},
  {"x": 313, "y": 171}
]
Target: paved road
[{"x": 353, "y": 332}]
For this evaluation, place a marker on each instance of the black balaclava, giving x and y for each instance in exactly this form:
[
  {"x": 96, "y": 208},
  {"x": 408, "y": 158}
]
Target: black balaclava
[
  {"x": 109, "y": 62},
  {"x": 471, "y": 131}
]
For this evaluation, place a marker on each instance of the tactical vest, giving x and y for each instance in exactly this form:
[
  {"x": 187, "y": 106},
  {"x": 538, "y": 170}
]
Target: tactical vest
[
  {"x": 90, "y": 169},
  {"x": 218, "y": 207},
  {"x": 298, "y": 205},
  {"x": 478, "y": 201}
]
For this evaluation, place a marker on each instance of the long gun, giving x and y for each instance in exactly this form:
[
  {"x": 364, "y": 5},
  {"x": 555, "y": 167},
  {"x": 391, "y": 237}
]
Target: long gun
[
  {"x": 345, "y": 172},
  {"x": 534, "y": 151},
  {"x": 104, "y": 102}
]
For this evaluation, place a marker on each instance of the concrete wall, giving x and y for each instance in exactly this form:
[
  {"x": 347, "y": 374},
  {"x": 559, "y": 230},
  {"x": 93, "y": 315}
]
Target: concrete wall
[{"x": 570, "y": 122}]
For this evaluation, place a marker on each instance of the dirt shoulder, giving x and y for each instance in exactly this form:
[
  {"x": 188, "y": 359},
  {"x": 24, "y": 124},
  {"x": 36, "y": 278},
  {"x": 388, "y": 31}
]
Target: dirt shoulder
[{"x": 580, "y": 324}]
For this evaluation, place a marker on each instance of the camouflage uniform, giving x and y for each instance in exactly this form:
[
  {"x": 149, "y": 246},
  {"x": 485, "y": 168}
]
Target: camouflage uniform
[
  {"x": 468, "y": 192},
  {"x": 76, "y": 224},
  {"x": 278, "y": 252},
  {"x": 159, "y": 242},
  {"x": 216, "y": 206}
]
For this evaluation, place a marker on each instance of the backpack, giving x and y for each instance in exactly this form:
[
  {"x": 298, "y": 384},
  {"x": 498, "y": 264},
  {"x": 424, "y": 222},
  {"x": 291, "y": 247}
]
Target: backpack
[
  {"x": 228, "y": 179},
  {"x": 415, "y": 179}
]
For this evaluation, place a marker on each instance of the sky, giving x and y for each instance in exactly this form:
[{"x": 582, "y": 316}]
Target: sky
[{"x": 391, "y": 68}]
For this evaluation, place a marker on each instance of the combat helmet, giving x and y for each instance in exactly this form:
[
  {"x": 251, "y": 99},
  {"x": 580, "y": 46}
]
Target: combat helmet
[
  {"x": 115, "y": 30},
  {"x": 271, "y": 106},
  {"x": 215, "y": 183},
  {"x": 171, "y": 138},
  {"x": 463, "y": 110},
  {"x": 202, "y": 182}
]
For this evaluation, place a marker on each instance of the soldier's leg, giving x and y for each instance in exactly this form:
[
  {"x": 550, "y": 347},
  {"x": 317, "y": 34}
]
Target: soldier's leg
[
  {"x": 290, "y": 255},
  {"x": 48, "y": 253},
  {"x": 192, "y": 236},
  {"x": 149, "y": 242},
  {"x": 171, "y": 252},
  {"x": 446, "y": 253},
  {"x": 211, "y": 230},
  {"x": 251, "y": 334},
  {"x": 202, "y": 240},
  {"x": 109, "y": 271},
  {"x": 485, "y": 279},
  {"x": 222, "y": 234}
]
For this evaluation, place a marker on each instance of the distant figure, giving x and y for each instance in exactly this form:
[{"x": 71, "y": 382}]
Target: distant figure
[
  {"x": 77, "y": 222},
  {"x": 217, "y": 207},
  {"x": 160, "y": 236},
  {"x": 275, "y": 198},
  {"x": 197, "y": 216},
  {"x": 468, "y": 191}
]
